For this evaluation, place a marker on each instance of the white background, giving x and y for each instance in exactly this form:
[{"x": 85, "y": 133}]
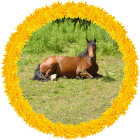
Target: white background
[{"x": 13, "y": 12}]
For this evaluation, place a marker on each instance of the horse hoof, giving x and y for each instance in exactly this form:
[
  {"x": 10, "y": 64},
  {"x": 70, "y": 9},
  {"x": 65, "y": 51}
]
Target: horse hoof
[
  {"x": 99, "y": 76},
  {"x": 64, "y": 77},
  {"x": 77, "y": 77}
]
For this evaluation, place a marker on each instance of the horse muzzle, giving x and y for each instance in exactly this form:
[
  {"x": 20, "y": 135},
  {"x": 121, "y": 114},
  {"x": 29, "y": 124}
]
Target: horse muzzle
[{"x": 92, "y": 58}]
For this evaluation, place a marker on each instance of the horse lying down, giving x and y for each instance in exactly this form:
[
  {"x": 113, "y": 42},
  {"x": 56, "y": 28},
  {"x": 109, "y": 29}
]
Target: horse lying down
[{"x": 84, "y": 65}]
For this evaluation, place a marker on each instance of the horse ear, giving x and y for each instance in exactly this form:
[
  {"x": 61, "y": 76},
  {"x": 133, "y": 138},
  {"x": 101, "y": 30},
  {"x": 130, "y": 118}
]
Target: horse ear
[
  {"x": 95, "y": 40},
  {"x": 88, "y": 41}
]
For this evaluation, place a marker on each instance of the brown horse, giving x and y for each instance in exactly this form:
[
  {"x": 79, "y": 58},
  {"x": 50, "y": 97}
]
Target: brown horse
[{"x": 84, "y": 65}]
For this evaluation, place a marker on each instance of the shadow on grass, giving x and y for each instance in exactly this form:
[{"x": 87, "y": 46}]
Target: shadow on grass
[{"x": 108, "y": 79}]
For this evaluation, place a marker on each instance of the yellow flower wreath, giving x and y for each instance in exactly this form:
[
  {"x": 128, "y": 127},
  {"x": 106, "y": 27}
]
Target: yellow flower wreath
[{"x": 41, "y": 17}]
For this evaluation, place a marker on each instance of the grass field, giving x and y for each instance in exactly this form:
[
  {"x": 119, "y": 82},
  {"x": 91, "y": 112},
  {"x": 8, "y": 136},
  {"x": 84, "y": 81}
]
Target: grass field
[{"x": 70, "y": 101}]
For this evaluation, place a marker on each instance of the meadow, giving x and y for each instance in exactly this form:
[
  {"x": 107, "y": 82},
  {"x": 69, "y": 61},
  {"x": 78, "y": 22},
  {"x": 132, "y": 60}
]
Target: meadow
[{"x": 70, "y": 101}]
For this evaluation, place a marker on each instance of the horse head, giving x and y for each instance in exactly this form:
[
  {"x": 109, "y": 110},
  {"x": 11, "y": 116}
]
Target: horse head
[{"x": 91, "y": 49}]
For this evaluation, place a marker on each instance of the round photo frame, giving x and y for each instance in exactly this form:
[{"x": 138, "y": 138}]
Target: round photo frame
[{"x": 41, "y": 17}]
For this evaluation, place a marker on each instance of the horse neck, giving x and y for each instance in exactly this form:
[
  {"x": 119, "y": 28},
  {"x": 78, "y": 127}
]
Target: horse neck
[{"x": 87, "y": 58}]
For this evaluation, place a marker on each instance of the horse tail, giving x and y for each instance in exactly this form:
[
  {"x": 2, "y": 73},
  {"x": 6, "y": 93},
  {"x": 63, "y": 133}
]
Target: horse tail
[{"x": 38, "y": 74}]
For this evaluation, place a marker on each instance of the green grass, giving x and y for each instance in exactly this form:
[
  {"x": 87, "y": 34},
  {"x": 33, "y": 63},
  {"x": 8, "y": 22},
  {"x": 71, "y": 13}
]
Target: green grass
[{"x": 70, "y": 101}]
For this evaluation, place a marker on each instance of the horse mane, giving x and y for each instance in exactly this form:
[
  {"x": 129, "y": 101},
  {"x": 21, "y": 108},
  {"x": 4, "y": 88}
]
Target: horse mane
[{"x": 84, "y": 53}]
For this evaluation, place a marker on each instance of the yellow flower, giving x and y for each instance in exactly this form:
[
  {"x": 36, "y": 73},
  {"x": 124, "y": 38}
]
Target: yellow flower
[{"x": 33, "y": 22}]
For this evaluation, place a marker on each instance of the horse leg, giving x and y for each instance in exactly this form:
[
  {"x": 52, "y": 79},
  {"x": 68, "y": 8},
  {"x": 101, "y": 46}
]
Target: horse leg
[
  {"x": 84, "y": 74},
  {"x": 49, "y": 73},
  {"x": 93, "y": 71},
  {"x": 97, "y": 76}
]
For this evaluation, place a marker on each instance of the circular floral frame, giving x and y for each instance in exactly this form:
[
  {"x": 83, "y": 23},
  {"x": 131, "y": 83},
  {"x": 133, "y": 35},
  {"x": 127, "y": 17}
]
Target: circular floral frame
[{"x": 41, "y": 17}]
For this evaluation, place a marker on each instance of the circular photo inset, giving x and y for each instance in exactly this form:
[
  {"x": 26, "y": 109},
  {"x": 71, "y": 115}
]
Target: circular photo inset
[{"x": 67, "y": 77}]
